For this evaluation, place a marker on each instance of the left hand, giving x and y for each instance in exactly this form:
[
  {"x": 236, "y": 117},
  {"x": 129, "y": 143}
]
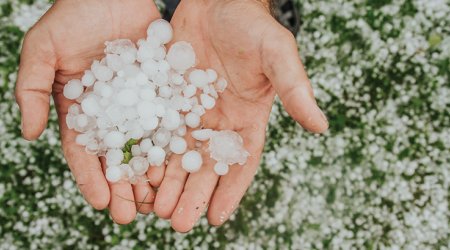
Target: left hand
[{"x": 259, "y": 58}]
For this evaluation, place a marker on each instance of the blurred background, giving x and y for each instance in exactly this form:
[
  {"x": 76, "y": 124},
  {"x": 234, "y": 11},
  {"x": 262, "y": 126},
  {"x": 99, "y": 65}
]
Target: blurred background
[{"x": 379, "y": 179}]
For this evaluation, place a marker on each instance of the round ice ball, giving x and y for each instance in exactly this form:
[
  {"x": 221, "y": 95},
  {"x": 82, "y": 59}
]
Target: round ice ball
[
  {"x": 113, "y": 174},
  {"x": 192, "y": 161},
  {"x": 114, "y": 157},
  {"x": 192, "y": 120},
  {"x": 177, "y": 145},
  {"x": 160, "y": 29},
  {"x": 114, "y": 139},
  {"x": 221, "y": 168},
  {"x": 156, "y": 156},
  {"x": 199, "y": 78},
  {"x": 90, "y": 106},
  {"x": 139, "y": 165},
  {"x": 181, "y": 56},
  {"x": 73, "y": 89}
]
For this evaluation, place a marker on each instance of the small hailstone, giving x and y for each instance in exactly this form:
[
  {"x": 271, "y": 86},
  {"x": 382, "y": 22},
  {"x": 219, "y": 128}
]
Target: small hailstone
[
  {"x": 171, "y": 120},
  {"x": 156, "y": 156},
  {"x": 192, "y": 120},
  {"x": 176, "y": 79},
  {"x": 118, "y": 46},
  {"x": 221, "y": 168},
  {"x": 106, "y": 91},
  {"x": 149, "y": 67},
  {"x": 127, "y": 171},
  {"x": 160, "y": 110},
  {"x": 198, "y": 109},
  {"x": 163, "y": 65},
  {"x": 178, "y": 145},
  {"x": 159, "y": 53},
  {"x": 145, "y": 53},
  {"x": 160, "y": 78},
  {"x": 199, "y": 78},
  {"x": 161, "y": 30},
  {"x": 147, "y": 94},
  {"x": 82, "y": 120},
  {"x": 149, "y": 123},
  {"x": 73, "y": 89},
  {"x": 191, "y": 161},
  {"x": 207, "y": 101},
  {"x": 189, "y": 91},
  {"x": 113, "y": 174},
  {"x": 88, "y": 78},
  {"x": 127, "y": 97},
  {"x": 181, "y": 56},
  {"x": 90, "y": 106},
  {"x": 202, "y": 134},
  {"x": 129, "y": 55},
  {"x": 102, "y": 73},
  {"x": 114, "y": 139},
  {"x": 114, "y": 157},
  {"x": 136, "y": 150},
  {"x": 165, "y": 91},
  {"x": 212, "y": 75},
  {"x": 114, "y": 62},
  {"x": 181, "y": 131},
  {"x": 161, "y": 137},
  {"x": 145, "y": 145},
  {"x": 227, "y": 146},
  {"x": 221, "y": 85},
  {"x": 74, "y": 109},
  {"x": 146, "y": 109},
  {"x": 139, "y": 165},
  {"x": 82, "y": 139}
]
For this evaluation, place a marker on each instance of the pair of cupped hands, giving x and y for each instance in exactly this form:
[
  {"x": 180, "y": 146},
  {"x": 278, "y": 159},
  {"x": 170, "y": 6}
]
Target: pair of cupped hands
[{"x": 237, "y": 38}]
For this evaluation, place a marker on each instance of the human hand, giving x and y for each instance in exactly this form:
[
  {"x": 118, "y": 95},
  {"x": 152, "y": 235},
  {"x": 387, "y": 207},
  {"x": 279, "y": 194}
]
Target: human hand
[
  {"x": 259, "y": 58},
  {"x": 59, "y": 48}
]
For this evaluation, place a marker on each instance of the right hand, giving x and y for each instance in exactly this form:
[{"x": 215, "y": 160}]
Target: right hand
[{"x": 59, "y": 48}]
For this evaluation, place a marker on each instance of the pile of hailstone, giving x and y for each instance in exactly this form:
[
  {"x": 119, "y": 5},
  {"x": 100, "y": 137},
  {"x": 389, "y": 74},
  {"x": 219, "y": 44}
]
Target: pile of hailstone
[{"x": 136, "y": 104}]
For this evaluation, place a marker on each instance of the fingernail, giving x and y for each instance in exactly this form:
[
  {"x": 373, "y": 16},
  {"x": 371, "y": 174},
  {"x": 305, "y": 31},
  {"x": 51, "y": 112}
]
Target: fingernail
[{"x": 324, "y": 117}]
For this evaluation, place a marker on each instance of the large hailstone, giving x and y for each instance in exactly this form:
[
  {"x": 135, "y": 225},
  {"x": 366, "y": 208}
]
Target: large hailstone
[
  {"x": 181, "y": 56},
  {"x": 227, "y": 146}
]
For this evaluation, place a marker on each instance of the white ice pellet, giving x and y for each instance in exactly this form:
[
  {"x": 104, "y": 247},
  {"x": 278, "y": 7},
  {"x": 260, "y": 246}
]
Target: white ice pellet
[
  {"x": 156, "y": 156},
  {"x": 114, "y": 157},
  {"x": 227, "y": 146},
  {"x": 73, "y": 89},
  {"x": 198, "y": 109},
  {"x": 165, "y": 91},
  {"x": 83, "y": 139},
  {"x": 129, "y": 55},
  {"x": 149, "y": 123},
  {"x": 118, "y": 46},
  {"x": 202, "y": 134},
  {"x": 160, "y": 29},
  {"x": 113, "y": 173},
  {"x": 145, "y": 53},
  {"x": 127, "y": 97},
  {"x": 192, "y": 120},
  {"x": 221, "y": 85},
  {"x": 212, "y": 75},
  {"x": 199, "y": 78},
  {"x": 136, "y": 150},
  {"x": 181, "y": 56},
  {"x": 90, "y": 106},
  {"x": 159, "y": 53},
  {"x": 114, "y": 139},
  {"x": 191, "y": 161},
  {"x": 114, "y": 62},
  {"x": 189, "y": 91},
  {"x": 171, "y": 120},
  {"x": 139, "y": 165},
  {"x": 177, "y": 145},
  {"x": 181, "y": 131},
  {"x": 146, "y": 109},
  {"x": 149, "y": 67},
  {"x": 82, "y": 120},
  {"x": 147, "y": 94},
  {"x": 161, "y": 137},
  {"x": 88, "y": 78},
  {"x": 102, "y": 73},
  {"x": 207, "y": 101},
  {"x": 221, "y": 168},
  {"x": 145, "y": 145}
]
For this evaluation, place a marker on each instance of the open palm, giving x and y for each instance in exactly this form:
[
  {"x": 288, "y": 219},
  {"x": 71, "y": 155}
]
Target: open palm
[
  {"x": 259, "y": 58},
  {"x": 59, "y": 48}
]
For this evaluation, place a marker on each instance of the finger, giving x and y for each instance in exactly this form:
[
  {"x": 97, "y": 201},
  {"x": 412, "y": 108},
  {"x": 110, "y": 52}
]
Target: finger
[
  {"x": 122, "y": 207},
  {"x": 155, "y": 175},
  {"x": 144, "y": 195},
  {"x": 232, "y": 187},
  {"x": 195, "y": 197},
  {"x": 34, "y": 82},
  {"x": 282, "y": 65},
  {"x": 85, "y": 168},
  {"x": 171, "y": 188}
]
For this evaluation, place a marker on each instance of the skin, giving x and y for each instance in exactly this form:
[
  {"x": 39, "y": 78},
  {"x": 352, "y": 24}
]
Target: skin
[
  {"x": 60, "y": 47},
  {"x": 259, "y": 58},
  {"x": 238, "y": 38}
]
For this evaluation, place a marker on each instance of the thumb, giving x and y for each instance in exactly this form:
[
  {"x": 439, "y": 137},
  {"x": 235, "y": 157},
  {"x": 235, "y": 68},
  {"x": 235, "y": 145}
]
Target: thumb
[
  {"x": 282, "y": 65},
  {"x": 34, "y": 82}
]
